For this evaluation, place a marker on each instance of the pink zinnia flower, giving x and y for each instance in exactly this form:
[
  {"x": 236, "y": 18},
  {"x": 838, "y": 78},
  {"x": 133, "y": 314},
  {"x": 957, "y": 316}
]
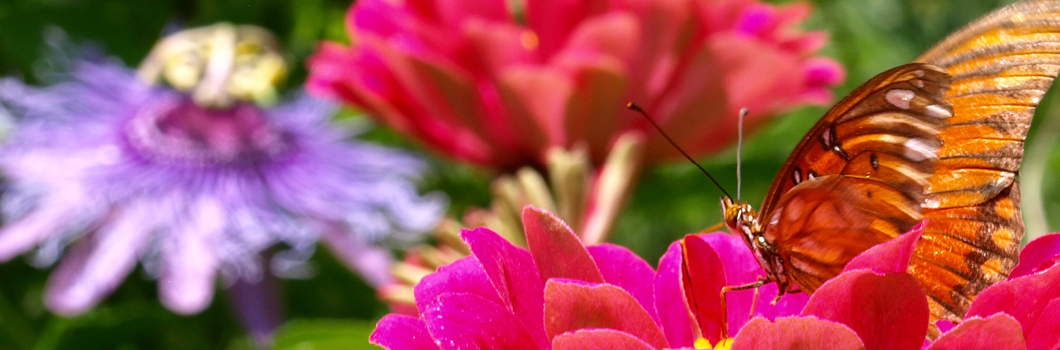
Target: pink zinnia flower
[
  {"x": 499, "y": 82},
  {"x": 561, "y": 294}
]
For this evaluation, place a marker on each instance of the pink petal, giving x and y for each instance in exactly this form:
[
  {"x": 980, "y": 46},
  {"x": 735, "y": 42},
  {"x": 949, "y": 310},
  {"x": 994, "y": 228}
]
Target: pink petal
[
  {"x": 402, "y": 332},
  {"x": 674, "y": 315},
  {"x": 1038, "y": 255},
  {"x": 887, "y": 311},
  {"x": 371, "y": 262},
  {"x": 512, "y": 273},
  {"x": 889, "y": 257},
  {"x": 796, "y": 333},
  {"x": 999, "y": 331},
  {"x": 1045, "y": 334},
  {"x": 98, "y": 264},
  {"x": 556, "y": 250},
  {"x": 598, "y": 339},
  {"x": 623, "y": 268},
  {"x": 189, "y": 262},
  {"x": 468, "y": 321},
  {"x": 702, "y": 282},
  {"x": 462, "y": 276},
  {"x": 553, "y": 21},
  {"x": 572, "y": 305},
  {"x": 1025, "y": 298},
  {"x": 536, "y": 99},
  {"x": 21, "y": 235}
]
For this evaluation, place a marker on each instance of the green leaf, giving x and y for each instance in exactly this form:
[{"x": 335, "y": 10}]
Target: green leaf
[{"x": 324, "y": 334}]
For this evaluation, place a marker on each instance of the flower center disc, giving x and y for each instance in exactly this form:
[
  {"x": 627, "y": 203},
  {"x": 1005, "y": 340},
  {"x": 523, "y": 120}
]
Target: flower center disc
[{"x": 178, "y": 130}]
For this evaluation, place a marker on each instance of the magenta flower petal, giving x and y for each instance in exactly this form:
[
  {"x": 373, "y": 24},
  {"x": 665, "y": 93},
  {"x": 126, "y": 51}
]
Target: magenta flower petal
[
  {"x": 889, "y": 257},
  {"x": 623, "y": 268},
  {"x": 703, "y": 280},
  {"x": 573, "y": 305},
  {"x": 469, "y": 321},
  {"x": 556, "y": 250},
  {"x": 463, "y": 276},
  {"x": 999, "y": 331},
  {"x": 402, "y": 332},
  {"x": 598, "y": 339},
  {"x": 796, "y": 333},
  {"x": 670, "y": 305},
  {"x": 513, "y": 275},
  {"x": 1026, "y": 299},
  {"x": 741, "y": 268},
  {"x": 887, "y": 311},
  {"x": 1038, "y": 255},
  {"x": 1045, "y": 334}
]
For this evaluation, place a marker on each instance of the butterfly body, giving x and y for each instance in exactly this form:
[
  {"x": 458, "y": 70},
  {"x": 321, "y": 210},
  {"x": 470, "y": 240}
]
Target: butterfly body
[{"x": 938, "y": 139}]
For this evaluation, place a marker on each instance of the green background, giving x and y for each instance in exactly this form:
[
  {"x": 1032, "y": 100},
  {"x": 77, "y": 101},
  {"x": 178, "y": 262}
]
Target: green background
[{"x": 334, "y": 309}]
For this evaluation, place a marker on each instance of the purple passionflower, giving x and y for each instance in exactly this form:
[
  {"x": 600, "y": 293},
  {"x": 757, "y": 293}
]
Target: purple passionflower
[{"x": 106, "y": 170}]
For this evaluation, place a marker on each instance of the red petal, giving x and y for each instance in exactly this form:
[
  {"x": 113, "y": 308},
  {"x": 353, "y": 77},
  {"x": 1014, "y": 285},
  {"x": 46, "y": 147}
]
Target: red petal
[
  {"x": 888, "y": 257},
  {"x": 571, "y": 305},
  {"x": 702, "y": 279},
  {"x": 623, "y": 268},
  {"x": 887, "y": 311},
  {"x": 556, "y": 250},
  {"x": 999, "y": 331},
  {"x": 602, "y": 339},
  {"x": 796, "y": 333},
  {"x": 1025, "y": 298},
  {"x": 1045, "y": 334},
  {"x": 1038, "y": 255}
]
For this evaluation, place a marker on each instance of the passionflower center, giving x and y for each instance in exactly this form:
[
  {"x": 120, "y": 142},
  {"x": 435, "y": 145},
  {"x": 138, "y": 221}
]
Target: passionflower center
[{"x": 178, "y": 130}]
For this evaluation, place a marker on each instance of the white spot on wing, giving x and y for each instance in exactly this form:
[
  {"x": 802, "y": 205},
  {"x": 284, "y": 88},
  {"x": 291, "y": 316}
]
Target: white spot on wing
[
  {"x": 918, "y": 150},
  {"x": 937, "y": 111},
  {"x": 900, "y": 97}
]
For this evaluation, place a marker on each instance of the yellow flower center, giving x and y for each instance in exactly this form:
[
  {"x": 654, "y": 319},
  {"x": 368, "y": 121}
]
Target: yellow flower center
[{"x": 703, "y": 343}]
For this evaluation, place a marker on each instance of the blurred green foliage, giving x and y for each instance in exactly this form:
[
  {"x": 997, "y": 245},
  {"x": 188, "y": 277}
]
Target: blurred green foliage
[{"x": 334, "y": 309}]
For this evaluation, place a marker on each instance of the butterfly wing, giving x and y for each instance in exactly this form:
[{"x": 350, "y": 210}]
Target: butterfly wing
[
  {"x": 858, "y": 177},
  {"x": 820, "y": 225},
  {"x": 1001, "y": 66},
  {"x": 895, "y": 115}
]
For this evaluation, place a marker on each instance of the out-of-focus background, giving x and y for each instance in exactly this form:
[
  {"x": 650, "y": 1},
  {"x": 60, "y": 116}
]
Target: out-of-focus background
[{"x": 334, "y": 307}]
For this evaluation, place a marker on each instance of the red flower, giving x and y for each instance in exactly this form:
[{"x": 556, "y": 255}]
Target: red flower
[{"x": 499, "y": 82}]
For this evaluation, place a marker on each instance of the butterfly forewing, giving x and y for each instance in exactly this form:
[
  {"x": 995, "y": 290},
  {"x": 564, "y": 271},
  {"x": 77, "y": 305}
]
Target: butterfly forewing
[
  {"x": 1001, "y": 66},
  {"x": 896, "y": 115},
  {"x": 858, "y": 178}
]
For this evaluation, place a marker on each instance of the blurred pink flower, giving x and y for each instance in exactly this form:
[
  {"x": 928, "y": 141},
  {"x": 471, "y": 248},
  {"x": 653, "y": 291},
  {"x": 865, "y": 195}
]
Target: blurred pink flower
[{"x": 499, "y": 82}]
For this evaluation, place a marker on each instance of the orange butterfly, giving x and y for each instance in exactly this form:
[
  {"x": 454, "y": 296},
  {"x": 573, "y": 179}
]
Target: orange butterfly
[{"x": 939, "y": 139}]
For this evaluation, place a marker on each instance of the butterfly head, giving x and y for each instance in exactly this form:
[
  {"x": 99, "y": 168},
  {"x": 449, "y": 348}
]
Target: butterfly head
[{"x": 742, "y": 219}]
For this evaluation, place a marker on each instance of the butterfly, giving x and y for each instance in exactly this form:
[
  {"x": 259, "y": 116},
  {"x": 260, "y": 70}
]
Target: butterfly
[{"x": 938, "y": 139}]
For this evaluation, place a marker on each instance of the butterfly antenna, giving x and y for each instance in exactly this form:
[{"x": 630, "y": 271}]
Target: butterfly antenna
[
  {"x": 739, "y": 149},
  {"x": 632, "y": 106}
]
